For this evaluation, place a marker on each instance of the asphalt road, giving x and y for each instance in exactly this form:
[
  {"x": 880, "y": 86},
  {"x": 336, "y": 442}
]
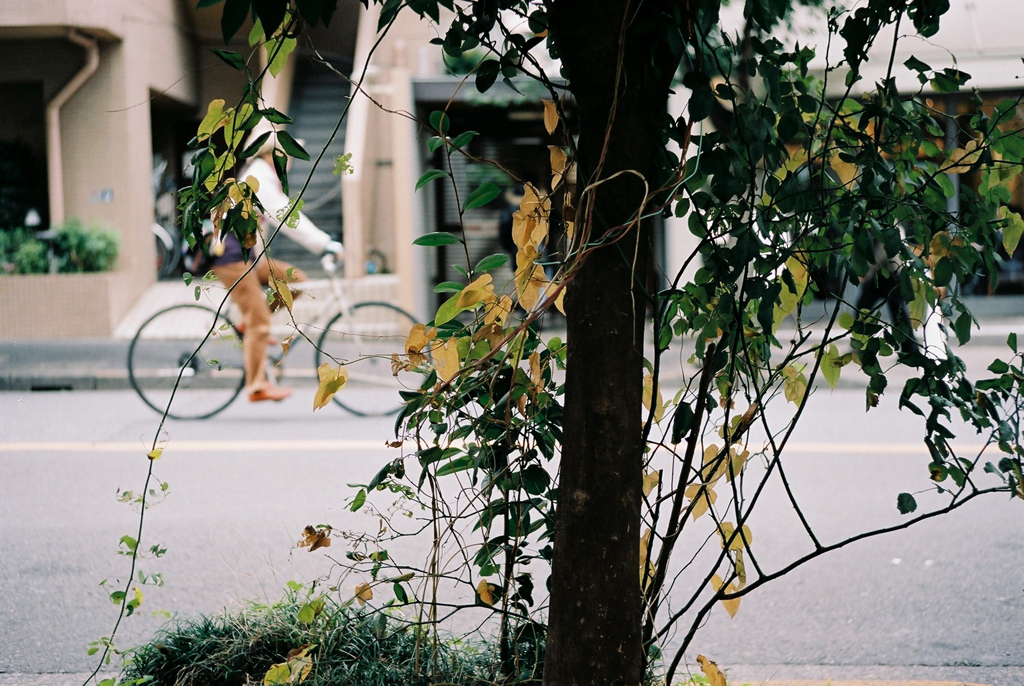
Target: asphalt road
[{"x": 943, "y": 600}]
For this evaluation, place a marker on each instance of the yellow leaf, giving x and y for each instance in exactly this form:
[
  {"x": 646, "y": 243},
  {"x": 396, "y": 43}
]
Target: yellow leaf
[
  {"x": 659, "y": 403},
  {"x": 939, "y": 245},
  {"x": 731, "y": 605},
  {"x": 486, "y": 592},
  {"x": 961, "y": 159},
  {"x": 651, "y": 480},
  {"x": 331, "y": 381},
  {"x": 741, "y": 570},
  {"x": 418, "y": 337},
  {"x": 712, "y": 467},
  {"x": 711, "y": 671},
  {"x": 286, "y": 345},
  {"x": 737, "y": 461},
  {"x": 281, "y": 290},
  {"x": 475, "y": 293},
  {"x": 492, "y": 333},
  {"x": 645, "y": 542},
  {"x": 536, "y": 372},
  {"x": 794, "y": 385},
  {"x": 530, "y": 221},
  {"x": 1012, "y": 229},
  {"x": 446, "y": 359},
  {"x": 558, "y": 160},
  {"x": 531, "y": 289},
  {"x": 560, "y": 301},
  {"x": 498, "y": 311},
  {"x": 155, "y": 453},
  {"x": 704, "y": 496},
  {"x": 831, "y": 365},
  {"x": 277, "y": 675},
  {"x": 726, "y": 530},
  {"x": 550, "y": 115},
  {"x": 364, "y": 593},
  {"x": 213, "y": 120}
]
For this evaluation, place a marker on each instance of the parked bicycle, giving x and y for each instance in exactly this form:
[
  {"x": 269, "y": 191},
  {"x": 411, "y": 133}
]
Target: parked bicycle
[{"x": 191, "y": 352}]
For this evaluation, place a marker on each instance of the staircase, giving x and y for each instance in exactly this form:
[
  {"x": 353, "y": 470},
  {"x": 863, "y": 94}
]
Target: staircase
[{"x": 318, "y": 98}]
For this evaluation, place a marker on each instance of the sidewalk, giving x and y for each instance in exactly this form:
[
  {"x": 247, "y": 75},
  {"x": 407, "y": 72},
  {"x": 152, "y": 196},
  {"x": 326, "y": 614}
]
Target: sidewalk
[{"x": 93, "y": 364}]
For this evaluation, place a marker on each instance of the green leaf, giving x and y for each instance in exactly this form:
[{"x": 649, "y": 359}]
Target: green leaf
[
  {"x": 447, "y": 311},
  {"x": 437, "y": 238},
  {"x": 449, "y": 287},
  {"x": 1011, "y": 342},
  {"x": 440, "y": 121},
  {"x": 232, "y": 59},
  {"x": 235, "y": 12},
  {"x": 255, "y": 33},
  {"x": 1012, "y": 231},
  {"x": 459, "y": 464},
  {"x": 307, "y": 613},
  {"x": 487, "y": 74},
  {"x": 429, "y": 176},
  {"x": 962, "y": 328},
  {"x": 207, "y": 3},
  {"x": 254, "y": 147},
  {"x": 830, "y": 366},
  {"x": 281, "y": 169},
  {"x": 906, "y": 503},
  {"x": 682, "y": 421},
  {"x": 291, "y": 146},
  {"x": 279, "y": 51},
  {"x": 276, "y": 117},
  {"x": 400, "y": 593},
  {"x": 270, "y": 13},
  {"x": 481, "y": 196},
  {"x": 434, "y": 143},
  {"x": 491, "y": 262},
  {"x": 359, "y": 500},
  {"x": 462, "y": 139},
  {"x": 914, "y": 64}
]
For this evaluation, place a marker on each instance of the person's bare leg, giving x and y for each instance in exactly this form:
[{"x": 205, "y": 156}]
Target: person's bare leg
[{"x": 251, "y": 300}]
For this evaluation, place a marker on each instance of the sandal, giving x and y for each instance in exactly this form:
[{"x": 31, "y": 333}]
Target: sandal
[{"x": 275, "y": 393}]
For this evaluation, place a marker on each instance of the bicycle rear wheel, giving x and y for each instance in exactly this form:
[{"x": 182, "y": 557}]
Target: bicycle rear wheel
[
  {"x": 364, "y": 339},
  {"x": 192, "y": 353}
]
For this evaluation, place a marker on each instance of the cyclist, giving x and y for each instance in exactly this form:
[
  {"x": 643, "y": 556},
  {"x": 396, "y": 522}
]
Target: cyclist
[{"x": 228, "y": 261}]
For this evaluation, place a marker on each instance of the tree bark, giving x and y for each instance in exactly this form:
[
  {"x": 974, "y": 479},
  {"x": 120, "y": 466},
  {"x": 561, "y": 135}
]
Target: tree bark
[{"x": 594, "y": 632}]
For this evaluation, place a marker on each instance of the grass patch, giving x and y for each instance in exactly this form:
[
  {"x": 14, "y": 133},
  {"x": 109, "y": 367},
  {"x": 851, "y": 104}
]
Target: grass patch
[{"x": 346, "y": 646}]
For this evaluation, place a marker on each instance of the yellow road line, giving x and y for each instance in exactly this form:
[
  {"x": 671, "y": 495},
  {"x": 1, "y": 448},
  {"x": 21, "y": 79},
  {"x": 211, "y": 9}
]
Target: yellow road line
[{"x": 173, "y": 446}]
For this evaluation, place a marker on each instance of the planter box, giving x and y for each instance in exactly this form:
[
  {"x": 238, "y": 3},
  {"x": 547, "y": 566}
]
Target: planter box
[{"x": 36, "y": 306}]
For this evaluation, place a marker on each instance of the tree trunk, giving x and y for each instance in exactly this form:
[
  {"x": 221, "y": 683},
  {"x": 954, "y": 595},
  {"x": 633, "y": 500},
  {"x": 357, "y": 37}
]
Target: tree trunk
[{"x": 594, "y": 633}]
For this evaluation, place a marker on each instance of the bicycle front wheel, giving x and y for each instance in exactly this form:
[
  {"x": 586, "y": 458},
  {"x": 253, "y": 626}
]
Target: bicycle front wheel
[
  {"x": 191, "y": 353},
  {"x": 364, "y": 339}
]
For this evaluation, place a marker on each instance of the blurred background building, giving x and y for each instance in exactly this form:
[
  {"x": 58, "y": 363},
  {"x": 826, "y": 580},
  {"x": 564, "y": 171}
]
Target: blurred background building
[{"x": 99, "y": 99}]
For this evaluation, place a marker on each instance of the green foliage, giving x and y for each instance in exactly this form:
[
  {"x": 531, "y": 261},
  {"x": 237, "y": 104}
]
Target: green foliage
[
  {"x": 85, "y": 249},
  {"x": 348, "y": 646},
  {"x": 76, "y": 249},
  {"x": 22, "y": 253}
]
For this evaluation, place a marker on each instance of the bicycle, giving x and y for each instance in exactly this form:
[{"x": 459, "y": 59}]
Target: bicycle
[{"x": 195, "y": 354}]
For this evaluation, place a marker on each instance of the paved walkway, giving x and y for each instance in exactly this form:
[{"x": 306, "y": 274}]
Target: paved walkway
[{"x": 102, "y": 363}]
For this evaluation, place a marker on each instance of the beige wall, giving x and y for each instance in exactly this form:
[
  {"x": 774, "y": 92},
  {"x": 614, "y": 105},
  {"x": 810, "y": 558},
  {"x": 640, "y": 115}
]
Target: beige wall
[{"x": 146, "y": 48}]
